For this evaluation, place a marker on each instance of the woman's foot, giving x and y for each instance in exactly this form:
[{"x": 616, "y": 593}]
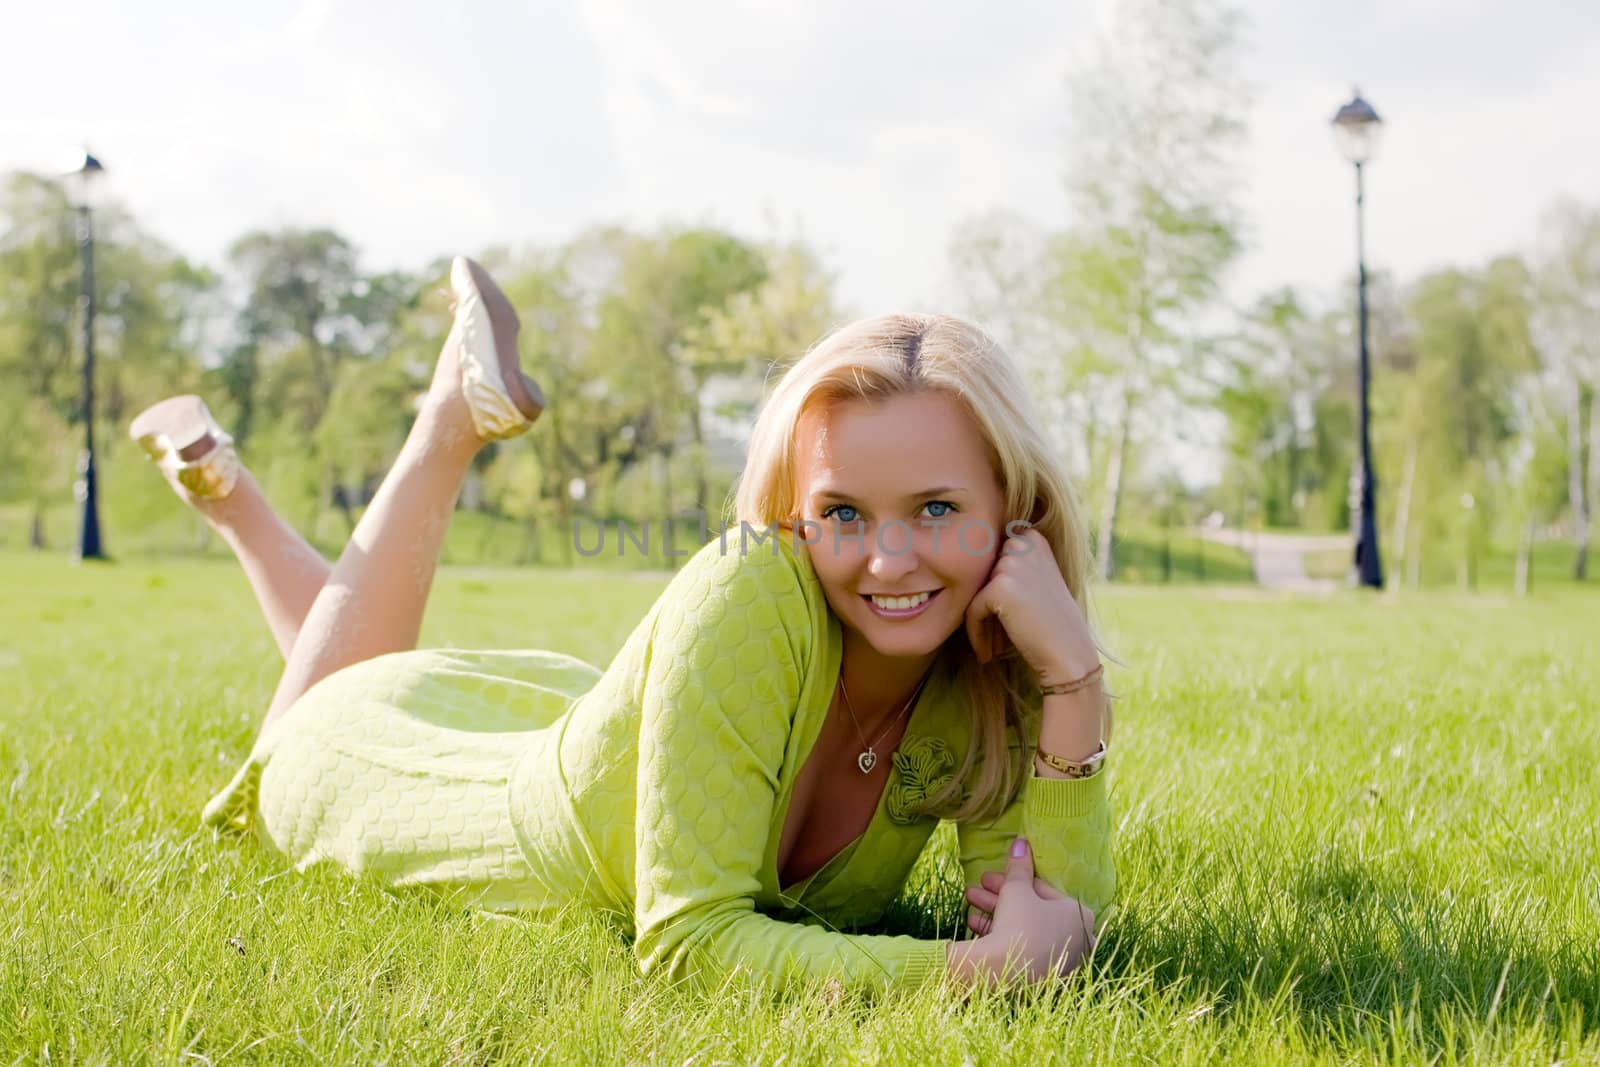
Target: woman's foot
[
  {"x": 194, "y": 453},
  {"x": 479, "y": 368}
]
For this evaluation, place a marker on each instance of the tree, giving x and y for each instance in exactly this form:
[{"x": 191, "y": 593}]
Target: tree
[
  {"x": 1272, "y": 377},
  {"x": 774, "y": 322},
  {"x": 666, "y": 287},
  {"x": 145, "y": 336},
  {"x": 302, "y": 306},
  {"x": 1154, "y": 131},
  {"x": 1000, "y": 262},
  {"x": 1449, "y": 407},
  {"x": 1567, "y": 325},
  {"x": 548, "y": 290},
  {"x": 1534, "y": 462},
  {"x": 1004, "y": 272}
]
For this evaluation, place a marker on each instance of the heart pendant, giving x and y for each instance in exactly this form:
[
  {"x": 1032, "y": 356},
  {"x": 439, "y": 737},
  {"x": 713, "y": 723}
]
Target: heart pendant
[{"x": 867, "y": 760}]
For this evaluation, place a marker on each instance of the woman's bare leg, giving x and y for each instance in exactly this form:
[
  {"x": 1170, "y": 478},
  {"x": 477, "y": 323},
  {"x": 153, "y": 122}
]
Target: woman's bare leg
[
  {"x": 285, "y": 572},
  {"x": 372, "y": 602},
  {"x": 197, "y": 458}
]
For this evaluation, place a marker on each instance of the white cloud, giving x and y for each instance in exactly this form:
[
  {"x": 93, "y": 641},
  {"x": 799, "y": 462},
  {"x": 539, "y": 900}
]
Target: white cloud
[{"x": 873, "y": 129}]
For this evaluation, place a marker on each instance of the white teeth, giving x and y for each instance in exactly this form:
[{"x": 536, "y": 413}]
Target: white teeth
[{"x": 900, "y": 603}]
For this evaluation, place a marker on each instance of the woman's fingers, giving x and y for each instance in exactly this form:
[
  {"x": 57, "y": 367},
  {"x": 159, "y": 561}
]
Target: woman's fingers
[
  {"x": 982, "y": 899},
  {"x": 981, "y": 922},
  {"x": 1019, "y": 865},
  {"x": 994, "y": 881},
  {"x": 978, "y": 611}
]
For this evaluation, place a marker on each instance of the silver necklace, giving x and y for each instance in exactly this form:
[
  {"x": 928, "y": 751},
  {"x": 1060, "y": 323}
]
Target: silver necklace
[{"x": 868, "y": 758}]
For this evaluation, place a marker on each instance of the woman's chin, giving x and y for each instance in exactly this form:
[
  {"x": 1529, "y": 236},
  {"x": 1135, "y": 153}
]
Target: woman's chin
[{"x": 922, "y": 637}]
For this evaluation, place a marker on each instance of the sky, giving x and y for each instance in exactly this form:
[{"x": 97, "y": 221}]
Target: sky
[{"x": 871, "y": 130}]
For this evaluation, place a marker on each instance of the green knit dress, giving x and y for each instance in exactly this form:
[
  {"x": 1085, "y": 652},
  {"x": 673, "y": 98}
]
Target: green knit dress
[{"x": 655, "y": 790}]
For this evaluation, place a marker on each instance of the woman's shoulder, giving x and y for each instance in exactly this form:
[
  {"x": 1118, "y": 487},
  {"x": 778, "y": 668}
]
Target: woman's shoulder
[
  {"x": 746, "y": 563},
  {"x": 767, "y": 579}
]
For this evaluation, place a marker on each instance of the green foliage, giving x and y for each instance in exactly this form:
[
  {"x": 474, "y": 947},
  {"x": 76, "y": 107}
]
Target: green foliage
[
  {"x": 316, "y": 372},
  {"x": 654, "y": 349},
  {"x": 150, "y": 309},
  {"x": 1455, "y": 416},
  {"x": 301, "y": 319},
  {"x": 1272, "y": 379},
  {"x": 39, "y": 285},
  {"x": 1111, "y": 305}
]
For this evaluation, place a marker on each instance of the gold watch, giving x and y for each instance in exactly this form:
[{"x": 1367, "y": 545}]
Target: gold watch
[{"x": 1075, "y": 768}]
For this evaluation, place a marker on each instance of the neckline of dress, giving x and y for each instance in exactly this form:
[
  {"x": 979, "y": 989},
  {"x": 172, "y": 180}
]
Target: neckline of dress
[{"x": 817, "y": 712}]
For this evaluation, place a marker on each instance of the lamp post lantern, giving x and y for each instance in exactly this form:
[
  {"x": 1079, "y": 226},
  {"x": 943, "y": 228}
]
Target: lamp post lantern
[
  {"x": 1357, "y": 127},
  {"x": 82, "y": 184}
]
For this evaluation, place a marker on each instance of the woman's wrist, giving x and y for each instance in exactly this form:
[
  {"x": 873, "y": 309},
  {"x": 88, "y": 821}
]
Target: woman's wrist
[
  {"x": 970, "y": 964},
  {"x": 1069, "y": 668},
  {"x": 1070, "y": 727},
  {"x": 959, "y": 960}
]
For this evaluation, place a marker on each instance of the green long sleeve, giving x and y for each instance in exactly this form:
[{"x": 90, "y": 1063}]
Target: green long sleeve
[
  {"x": 1068, "y": 826},
  {"x": 725, "y": 677}
]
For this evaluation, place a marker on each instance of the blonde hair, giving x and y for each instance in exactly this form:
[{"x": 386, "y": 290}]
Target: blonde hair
[{"x": 899, "y": 354}]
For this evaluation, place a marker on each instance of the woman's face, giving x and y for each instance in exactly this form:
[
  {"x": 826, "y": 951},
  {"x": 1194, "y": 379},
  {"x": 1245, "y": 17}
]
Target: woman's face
[{"x": 901, "y": 502}]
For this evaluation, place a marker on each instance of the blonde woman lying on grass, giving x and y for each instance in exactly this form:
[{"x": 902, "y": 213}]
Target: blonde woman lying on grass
[{"x": 902, "y": 639}]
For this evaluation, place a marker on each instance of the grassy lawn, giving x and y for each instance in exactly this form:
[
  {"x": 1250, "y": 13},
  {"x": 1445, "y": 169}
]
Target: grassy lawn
[
  {"x": 1494, "y": 570},
  {"x": 1148, "y": 555},
  {"x": 1350, "y": 830}
]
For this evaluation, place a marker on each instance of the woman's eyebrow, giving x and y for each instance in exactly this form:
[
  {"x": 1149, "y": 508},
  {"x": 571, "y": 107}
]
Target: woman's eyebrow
[{"x": 939, "y": 490}]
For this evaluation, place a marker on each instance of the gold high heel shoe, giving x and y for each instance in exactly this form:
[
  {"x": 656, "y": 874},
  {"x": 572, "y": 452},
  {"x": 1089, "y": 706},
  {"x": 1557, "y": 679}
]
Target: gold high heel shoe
[
  {"x": 194, "y": 453},
  {"x": 487, "y": 355}
]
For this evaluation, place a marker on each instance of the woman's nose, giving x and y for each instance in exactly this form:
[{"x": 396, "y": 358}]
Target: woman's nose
[{"x": 892, "y": 554}]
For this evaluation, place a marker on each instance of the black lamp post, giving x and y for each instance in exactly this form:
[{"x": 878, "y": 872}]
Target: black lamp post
[
  {"x": 81, "y": 186},
  {"x": 1356, "y": 127}
]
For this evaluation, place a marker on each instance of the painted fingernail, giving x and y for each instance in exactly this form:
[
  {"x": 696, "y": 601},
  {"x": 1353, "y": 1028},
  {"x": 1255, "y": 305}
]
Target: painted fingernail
[{"x": 1019, "y": 848}]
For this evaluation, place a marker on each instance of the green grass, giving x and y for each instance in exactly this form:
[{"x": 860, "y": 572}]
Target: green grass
[
  {"x": 1330, "y": 563},
  {"x": 1349, "y": 830},
  {"x": 1150, "y": 555},
  {"x": 1496, "y": 568}
]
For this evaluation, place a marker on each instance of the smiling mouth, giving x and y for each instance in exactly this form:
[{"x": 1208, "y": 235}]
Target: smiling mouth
[{"x": 902, "y": 603}]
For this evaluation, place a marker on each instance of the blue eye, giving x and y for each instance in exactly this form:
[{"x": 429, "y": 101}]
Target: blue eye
[
  {"x": 940, "y": 504},
  {"x": 828, "y": 512}
]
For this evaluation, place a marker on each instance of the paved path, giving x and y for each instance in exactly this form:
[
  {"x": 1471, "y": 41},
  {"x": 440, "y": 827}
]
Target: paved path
[{"x": 1280, "y": 559}]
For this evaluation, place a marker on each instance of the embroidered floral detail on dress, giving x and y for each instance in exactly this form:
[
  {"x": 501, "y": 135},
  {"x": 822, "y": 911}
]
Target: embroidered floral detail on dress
[{"x": 922, "y": 767}]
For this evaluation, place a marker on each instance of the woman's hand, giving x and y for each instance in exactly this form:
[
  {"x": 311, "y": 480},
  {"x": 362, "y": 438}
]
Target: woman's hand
[
  {"x": 1030, "y": 604},
  {"x": 1030, "y": 929}
]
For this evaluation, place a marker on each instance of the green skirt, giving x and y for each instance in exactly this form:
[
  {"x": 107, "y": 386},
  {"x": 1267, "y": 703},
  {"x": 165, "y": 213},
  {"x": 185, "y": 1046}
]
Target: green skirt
[{"x": 400, "y": 767}]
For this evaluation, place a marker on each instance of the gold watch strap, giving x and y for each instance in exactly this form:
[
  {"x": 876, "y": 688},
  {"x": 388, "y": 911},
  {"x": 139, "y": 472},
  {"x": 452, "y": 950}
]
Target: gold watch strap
[{"x": 1076, "y": 768}]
